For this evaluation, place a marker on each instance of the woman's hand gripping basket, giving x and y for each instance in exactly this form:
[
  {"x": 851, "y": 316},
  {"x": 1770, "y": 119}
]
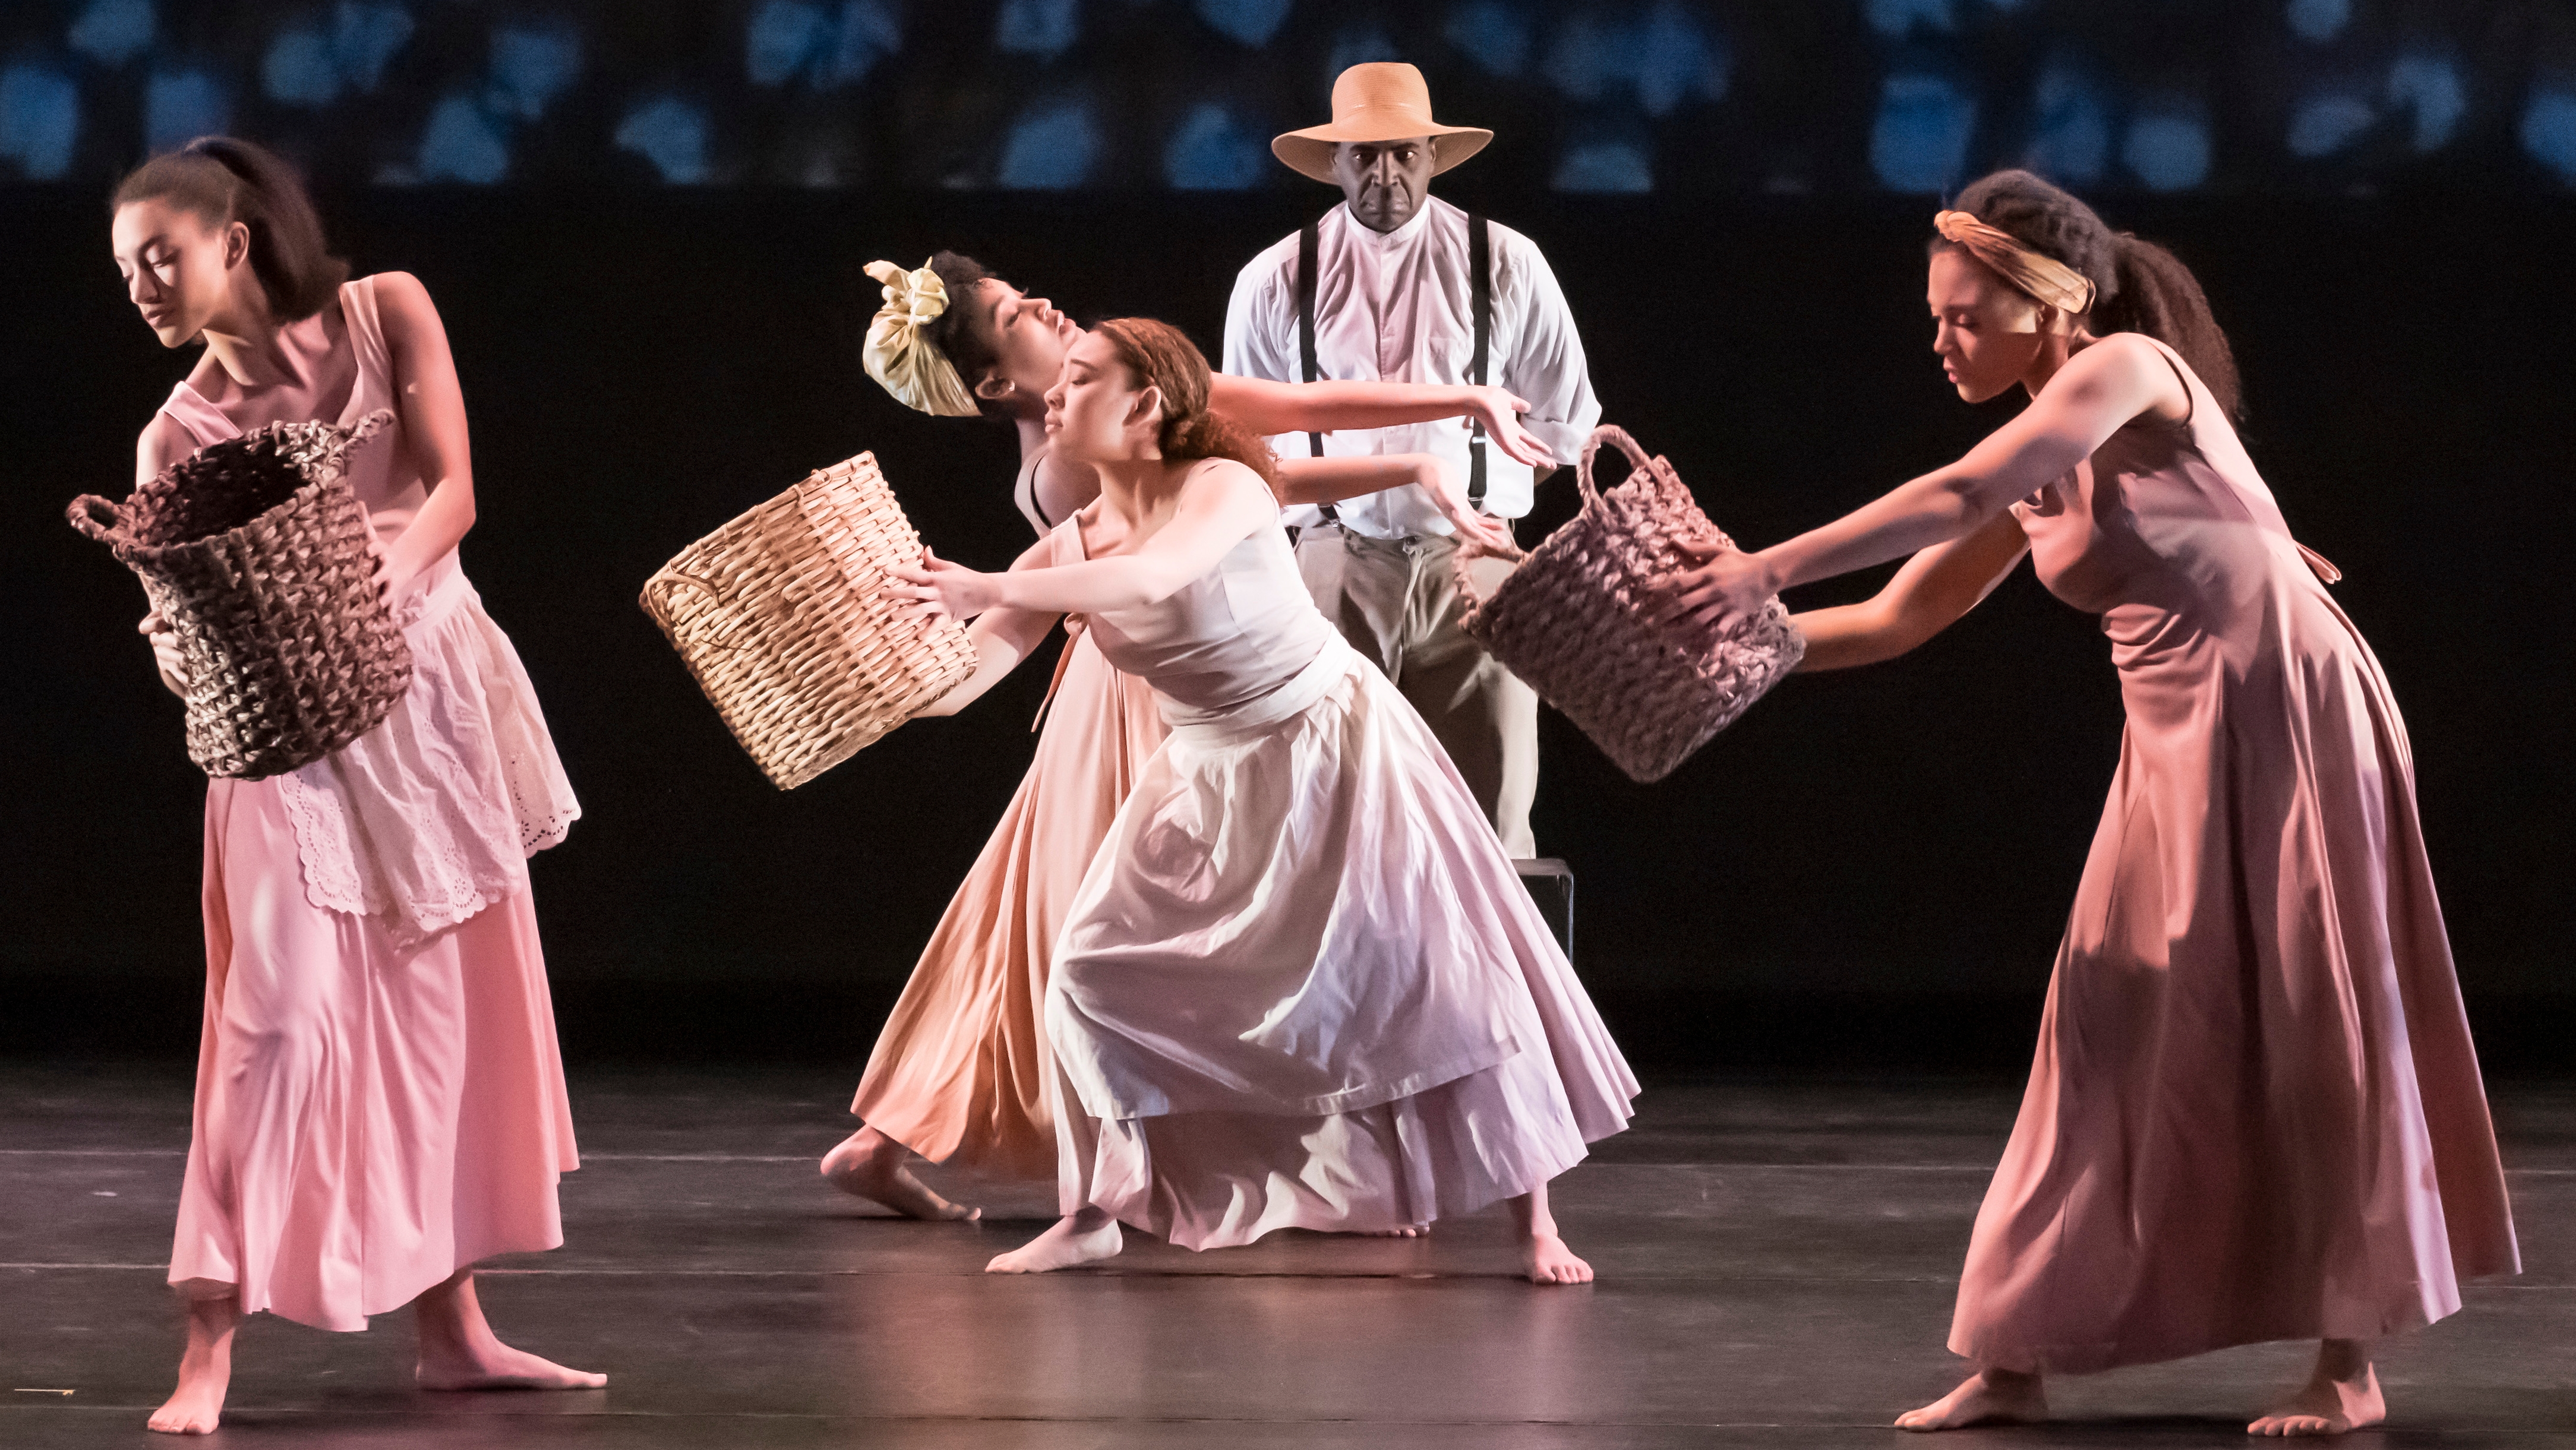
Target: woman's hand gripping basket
[
  {"x": 255, "y": 552},
  {"x": 1571, "y": 620},
  {"x": 782, "y": 617}
]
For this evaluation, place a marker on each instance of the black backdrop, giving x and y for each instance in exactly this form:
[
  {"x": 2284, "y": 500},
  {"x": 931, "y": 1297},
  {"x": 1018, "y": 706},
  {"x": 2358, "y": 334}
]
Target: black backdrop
[{"x": 1871, "y": 868}]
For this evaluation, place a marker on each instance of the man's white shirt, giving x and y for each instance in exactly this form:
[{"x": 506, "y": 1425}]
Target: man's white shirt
[{"x": 1394, "y": 307}]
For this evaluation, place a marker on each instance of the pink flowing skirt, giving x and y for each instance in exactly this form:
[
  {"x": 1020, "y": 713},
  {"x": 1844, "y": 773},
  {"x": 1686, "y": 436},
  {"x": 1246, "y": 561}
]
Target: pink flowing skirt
[
  {"x": 370, "y": 1118},
  {"x": 2255, "y": 1113},
  {"x": 961, "y": 1071}
]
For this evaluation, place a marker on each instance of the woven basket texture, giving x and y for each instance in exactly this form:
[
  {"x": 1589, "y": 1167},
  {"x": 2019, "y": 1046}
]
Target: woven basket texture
[
  {"x": 1570, "y": 620},
  {"x": 782, "y": 617},
  {"x": 255, "y": 551}
]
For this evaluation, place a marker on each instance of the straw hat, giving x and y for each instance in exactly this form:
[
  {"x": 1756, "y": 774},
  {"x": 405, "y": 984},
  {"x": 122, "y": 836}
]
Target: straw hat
[{"x": 1384, "y": 100}]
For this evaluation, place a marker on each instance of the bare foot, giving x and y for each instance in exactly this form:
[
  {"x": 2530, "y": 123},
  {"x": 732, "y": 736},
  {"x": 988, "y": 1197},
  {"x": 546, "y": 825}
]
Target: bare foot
[
  {"x": 2341, "y": 1394},
  {"x": 458, "y": 1350},
  {"x": 205, "y": 1370},
  {"x": 868, "y": 1164},
  {"x": 1549, "y": 1261},
  {"x": 1988, "y": 1397},
  {"x": 1409, "y": 1231},
  {"x": 1544, "y": 1256},
  {"x": 1077, "y": 1238}
]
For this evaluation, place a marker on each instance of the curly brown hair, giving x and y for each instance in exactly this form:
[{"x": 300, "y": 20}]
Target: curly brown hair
[
  {"x": 1163, "y": 356},
  {"x": 2137, "y": 285}
]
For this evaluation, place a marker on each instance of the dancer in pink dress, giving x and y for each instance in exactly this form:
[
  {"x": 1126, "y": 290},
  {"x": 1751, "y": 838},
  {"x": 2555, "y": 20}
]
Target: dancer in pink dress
[
  {"x": 2255, "y": 1112},
  {"x": 961, "y": 1070},
  {"x": 1301, "y": 985},
  {"x": 379, "y": 1100}
]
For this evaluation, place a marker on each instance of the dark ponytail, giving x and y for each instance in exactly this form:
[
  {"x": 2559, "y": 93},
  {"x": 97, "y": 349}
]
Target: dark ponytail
[
  {"x": 2158, "y": 296},
  {"x": 1162, "y": 355},
  {"x": 223, "y": 181},
  {"x": 2137, "y": 286}
]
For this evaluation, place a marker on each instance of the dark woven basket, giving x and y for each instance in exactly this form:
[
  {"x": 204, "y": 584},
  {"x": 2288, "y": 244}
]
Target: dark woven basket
[
  {"x": 1570, "y": 620},
  {"x": 255, "y": 552}
]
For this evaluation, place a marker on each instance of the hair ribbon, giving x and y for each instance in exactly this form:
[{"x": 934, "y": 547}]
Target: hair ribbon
[
  {"x": 2036, "y": 273},
  {"x": 899, "y": 353}
]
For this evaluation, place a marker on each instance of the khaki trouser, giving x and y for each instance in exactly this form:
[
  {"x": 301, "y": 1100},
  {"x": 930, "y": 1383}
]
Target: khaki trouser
[{"x": 1397, "y": 602}]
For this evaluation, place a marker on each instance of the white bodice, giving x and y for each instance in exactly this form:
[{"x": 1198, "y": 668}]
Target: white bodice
[{"x": 1225, "y": 641}]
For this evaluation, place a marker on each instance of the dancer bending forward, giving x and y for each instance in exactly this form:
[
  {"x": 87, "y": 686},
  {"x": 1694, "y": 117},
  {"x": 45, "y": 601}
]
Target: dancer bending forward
[
  {"x": 2255, "y": 1112},
  {"x": 961, "y": 1072},
  {"x": 1301, "y": 986},
  {"x": 379, "y": 1100}
]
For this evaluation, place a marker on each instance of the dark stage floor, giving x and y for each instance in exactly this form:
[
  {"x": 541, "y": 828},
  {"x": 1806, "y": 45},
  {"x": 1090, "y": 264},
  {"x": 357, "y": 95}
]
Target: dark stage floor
[{"x": 1776, "y": 1262}]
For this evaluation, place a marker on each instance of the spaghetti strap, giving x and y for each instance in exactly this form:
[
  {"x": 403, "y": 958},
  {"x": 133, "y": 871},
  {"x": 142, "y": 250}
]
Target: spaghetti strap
[
  {"x": 1024, "y": 492},
  {"x": 2183, "y": 375}
]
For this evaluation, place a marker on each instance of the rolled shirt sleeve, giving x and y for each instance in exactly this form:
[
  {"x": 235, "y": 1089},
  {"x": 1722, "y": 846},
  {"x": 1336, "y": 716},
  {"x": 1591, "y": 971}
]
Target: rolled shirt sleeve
[{"x": 1546, "y": 366}]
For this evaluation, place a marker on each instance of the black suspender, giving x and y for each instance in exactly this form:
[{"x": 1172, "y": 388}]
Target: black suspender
[
  {"x": 1480, "y": 306},
  {"x": 1307, "y": 244},
  {"x": 1480, "y": 303}
]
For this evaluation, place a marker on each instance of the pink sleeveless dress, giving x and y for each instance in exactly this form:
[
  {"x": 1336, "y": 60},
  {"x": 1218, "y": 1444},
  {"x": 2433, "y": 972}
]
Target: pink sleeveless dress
[
  {"x": 1302, "y": 986},
  {"x": 379, "y": 1099},
  {"x": 962, "y": 1069},
  {"x": 2255, "y": 1113}
]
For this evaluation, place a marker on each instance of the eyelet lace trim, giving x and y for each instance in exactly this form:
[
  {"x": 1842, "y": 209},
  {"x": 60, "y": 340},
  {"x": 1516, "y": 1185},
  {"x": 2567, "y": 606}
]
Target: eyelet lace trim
[{"x": 430, "y": 817}]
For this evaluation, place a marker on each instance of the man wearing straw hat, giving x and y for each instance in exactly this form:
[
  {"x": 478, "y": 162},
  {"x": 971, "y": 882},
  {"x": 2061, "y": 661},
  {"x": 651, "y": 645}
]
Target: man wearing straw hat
[{"x": 1394, "y": 285}]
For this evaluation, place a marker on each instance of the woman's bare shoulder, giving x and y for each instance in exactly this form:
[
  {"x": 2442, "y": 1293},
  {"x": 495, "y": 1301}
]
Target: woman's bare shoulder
[
  {"x": 403, "y": 306},
  {"x": 162, "y": 443}
]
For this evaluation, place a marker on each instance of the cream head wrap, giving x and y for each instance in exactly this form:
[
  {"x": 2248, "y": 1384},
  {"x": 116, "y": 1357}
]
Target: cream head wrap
[
  {"x": 899, "y": 353},
  {"x": 2042, "y": 276}
]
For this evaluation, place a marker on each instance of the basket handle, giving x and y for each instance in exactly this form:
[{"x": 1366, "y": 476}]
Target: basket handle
[
  {"x": 656, "y": 600},
  {"x": 1583, "y": 468},
  {"x": 93, "y": 516}
]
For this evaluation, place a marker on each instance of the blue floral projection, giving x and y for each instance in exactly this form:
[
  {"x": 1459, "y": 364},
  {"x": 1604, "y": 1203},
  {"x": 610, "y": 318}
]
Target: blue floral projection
[{"x": 1590, "y": 96}]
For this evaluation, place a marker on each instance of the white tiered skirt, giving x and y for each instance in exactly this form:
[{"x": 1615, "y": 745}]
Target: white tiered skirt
[{"x": 1303, "y": 987}]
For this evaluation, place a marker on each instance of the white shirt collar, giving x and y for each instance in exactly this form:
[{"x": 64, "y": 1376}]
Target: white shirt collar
[{"x": 1400, "y": 236}]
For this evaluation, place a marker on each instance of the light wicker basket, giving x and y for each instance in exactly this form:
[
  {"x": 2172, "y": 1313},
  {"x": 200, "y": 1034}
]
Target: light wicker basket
[
  {"x": 782, "y": 617},
  {"x": 1568, "y": 619},
  {"x": 254, "y": 551}
]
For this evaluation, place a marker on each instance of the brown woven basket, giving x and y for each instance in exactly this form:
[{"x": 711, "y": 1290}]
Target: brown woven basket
[
  {"x": 1569, "y": 620},
  {"x": 254, "y": 550},
  {"x": 782, "y": 617}
]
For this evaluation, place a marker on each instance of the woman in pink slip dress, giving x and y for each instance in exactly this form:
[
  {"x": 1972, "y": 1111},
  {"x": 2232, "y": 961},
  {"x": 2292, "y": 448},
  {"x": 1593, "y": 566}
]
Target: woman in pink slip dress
[
  {"x": 2255, "y": 1113},
  {"x": 379, "y": 1100},
  {"x": 960, "y": 1072},
  {"x": 1301, "y": 986}
]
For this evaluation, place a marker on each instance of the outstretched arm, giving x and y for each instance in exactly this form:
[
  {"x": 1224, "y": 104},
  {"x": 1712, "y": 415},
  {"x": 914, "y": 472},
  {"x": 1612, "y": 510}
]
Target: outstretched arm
[
  {"x": 1271, "y": 409},
  {"x": 1222, "y": 503},
  {"x": 1932, "y": 592},
  {"x": 1002, "y": 638},
  {"x": 1330, "y": 480},
  {"x": 2099, "y": 390}
]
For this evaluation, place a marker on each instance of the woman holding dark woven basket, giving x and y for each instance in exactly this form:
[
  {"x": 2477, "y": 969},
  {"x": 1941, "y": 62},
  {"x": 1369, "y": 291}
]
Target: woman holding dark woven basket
[
  {"x": 1301, "y": 986},
  {"x": 379, "y": 1100},
  {"x": 2255, "y": 1112},
  {"x": 960, "y": 1072}
]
